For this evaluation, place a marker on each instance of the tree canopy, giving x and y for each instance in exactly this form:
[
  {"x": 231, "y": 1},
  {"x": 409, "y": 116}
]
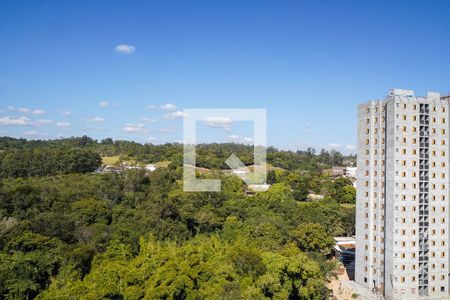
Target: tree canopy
[{"x": 137, "y": 235}]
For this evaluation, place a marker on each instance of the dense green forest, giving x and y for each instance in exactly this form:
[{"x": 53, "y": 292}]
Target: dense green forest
[
  {"x": 69, "y": 233},
  {"x": 22, "y": 158}
]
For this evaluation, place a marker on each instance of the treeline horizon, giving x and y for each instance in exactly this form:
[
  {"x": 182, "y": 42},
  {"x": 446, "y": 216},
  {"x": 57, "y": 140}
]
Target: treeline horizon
[{"x": 20, "y": 157}]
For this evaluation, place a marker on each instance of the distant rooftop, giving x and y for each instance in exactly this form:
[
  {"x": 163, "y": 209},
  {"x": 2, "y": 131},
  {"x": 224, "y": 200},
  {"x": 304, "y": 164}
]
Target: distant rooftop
[
  {"x": 410, "y": 93},
  {"x": 400, "y": 92}
]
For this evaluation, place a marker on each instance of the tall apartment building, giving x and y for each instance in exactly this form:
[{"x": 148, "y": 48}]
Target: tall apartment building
[{"x": 402, "y": 211}]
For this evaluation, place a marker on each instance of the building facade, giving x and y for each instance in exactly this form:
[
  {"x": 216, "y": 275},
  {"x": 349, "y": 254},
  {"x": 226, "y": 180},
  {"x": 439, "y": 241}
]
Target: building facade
[{"x": 402, "y": 211}]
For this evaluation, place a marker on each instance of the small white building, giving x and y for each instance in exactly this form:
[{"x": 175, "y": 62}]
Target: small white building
[
  {"x": 150, "y": 168},
  {"x": 346, "y": 241},
  {"x": 313, "y": 197},
  {"x": 258, "y": 187},
  {"x": 350, "y": 172},
  {"x": 131, "y": 167},
  {"x": 239, "y": 172}
]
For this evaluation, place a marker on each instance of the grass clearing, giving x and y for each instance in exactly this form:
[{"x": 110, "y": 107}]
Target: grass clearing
[
  {"x": 348, "y": 205},
  {"x": 162, "y": 164},
  {"x": 110, "y": 160}
]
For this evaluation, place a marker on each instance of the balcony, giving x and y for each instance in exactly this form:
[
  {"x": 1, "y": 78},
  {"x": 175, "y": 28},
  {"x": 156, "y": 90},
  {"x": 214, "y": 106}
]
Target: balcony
[
  {"x": 424, "y": 248},
  {"x": 423, "y": 238}
]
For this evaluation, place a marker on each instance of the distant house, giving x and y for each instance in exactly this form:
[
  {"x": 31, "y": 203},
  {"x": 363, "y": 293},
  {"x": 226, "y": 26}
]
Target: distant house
[
  {"x": 344, "y": 242},
  {"x": 350, "y": 172},
  {"x": 342, "y": 171},
  {"x": 256, "y": 188},
  {"x": 128, "y": 167},
  {"x": 313, "y": 197},
  {"x": 240, "y": 172},
  {"x": 122, "y": 167},
  {"x": 110, "y": 168},
  {"x": 338, "y": 171},
  {"x": 259, "y": 187},
  {"x": 344, "y": 249},
  {"x": 150, "y": 168}
]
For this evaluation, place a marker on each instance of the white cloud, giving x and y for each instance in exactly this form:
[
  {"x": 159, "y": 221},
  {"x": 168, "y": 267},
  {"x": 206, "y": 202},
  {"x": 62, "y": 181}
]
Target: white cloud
[
  {"x": 334, "y": 145},
  {"x": 218, "y": 122},
  {"x": 152, "y": 139},
  {"x": 63, "y": 124},
  {"x": 15, "y": 121},
  {"x": 152, "y": 106},
  {"x": 350, "y": 147},
  {"x": 23, "y": 110},
  {"x": 103, "y": 103},
  {"x": 240, "y": 139},
  {"x": 167, "y": 129},
  {"x": 34, "y": 133},
  {"x": 38, "y": 112},
  {"x": 34, "y": 111},
  {"x": 27, "y": 110},
  {"x": 92, "y": 128},
  {"x": 95, "y": 119},
  {"x": 124, "y": 48},
  {"x": 301, "y": 145},
  {"x": 150, "y": 120},
  {"x": 168, "y": 106},
  {"x": 43, "y": 122},
  {"x": 65, "y": 113},
  {"x": 175, "y": 115},
  {"x": 135, "y": 128}
]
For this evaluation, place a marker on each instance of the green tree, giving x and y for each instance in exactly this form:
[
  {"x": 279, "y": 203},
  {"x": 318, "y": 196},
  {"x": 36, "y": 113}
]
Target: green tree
[{"x": 312, "y": 237}]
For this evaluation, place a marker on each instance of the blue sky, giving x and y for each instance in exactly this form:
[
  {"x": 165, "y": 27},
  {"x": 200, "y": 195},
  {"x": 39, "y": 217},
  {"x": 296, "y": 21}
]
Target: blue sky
[{"x": 308, "y": 63}]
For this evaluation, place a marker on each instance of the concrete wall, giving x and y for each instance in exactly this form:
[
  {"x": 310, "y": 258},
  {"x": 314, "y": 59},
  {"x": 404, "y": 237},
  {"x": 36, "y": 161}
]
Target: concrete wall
[{"x": 387, "y": 216}]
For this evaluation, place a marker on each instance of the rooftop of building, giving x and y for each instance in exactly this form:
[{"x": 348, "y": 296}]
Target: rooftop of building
[{"x": 408, "y": 95}]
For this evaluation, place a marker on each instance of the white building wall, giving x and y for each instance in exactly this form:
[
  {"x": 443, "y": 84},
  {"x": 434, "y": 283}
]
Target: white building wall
[
  {"x": 370, "y": 195},
  {"x": 387, "y": 217}
]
